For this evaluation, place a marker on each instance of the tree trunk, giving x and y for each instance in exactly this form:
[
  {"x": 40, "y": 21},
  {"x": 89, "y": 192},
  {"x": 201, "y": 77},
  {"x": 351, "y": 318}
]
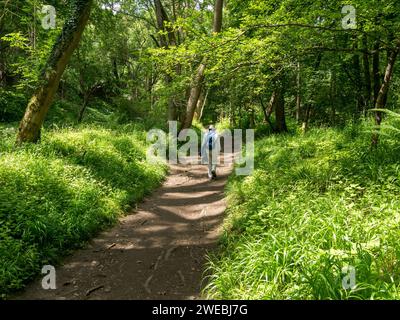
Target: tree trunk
[
  {"x": 2, "y": 58},
  {"x": 194, "y": 96},
  {"x": 280, "y": 112},
  {"x": 31, "y": 124},
  {"x": 267, "y": 111},
  {"x": 381, "y": 97},
  {"x": 83, "y": 108},
  {"x": 333, "y": 97},
  {"x": 166, "y": 42},
  {"x": 2, "y": 62},
  {"x": 198, "y": 80},
  {"x": 218, "y": 16},
  {"x": 298, "y": 93},
  {"x": 307, "y": 111},
  {"x": 375, "y": 71},
  {"x": 172, "y": 107},
  {"x": 201, "y": 104},
  {"x": 2, "y": 71},
  {"x": 161, "y": 17},
  {"x": 359, "y": 85},
  {"x": 232, "y": 118},
  {"x": 367, "y": 77},
  {"x": 252, "y": 119},
  {"x": 306, "y": 119},
  {"x": 163, "y": 25},
  {"x": 115, "y": 70},
  {"x": 388, "y": 54},
  {"x": 87, "y": 95}
]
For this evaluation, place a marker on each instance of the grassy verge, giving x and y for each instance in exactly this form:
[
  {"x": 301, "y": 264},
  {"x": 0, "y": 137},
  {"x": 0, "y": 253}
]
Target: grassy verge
[
  {"x": 56, "y": 195},
  {"x": 315, "y": 205}
]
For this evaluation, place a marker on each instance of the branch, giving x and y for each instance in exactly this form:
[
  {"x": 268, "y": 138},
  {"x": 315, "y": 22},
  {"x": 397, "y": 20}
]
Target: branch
[
  {"x": 155, "y": 40},
  {"x": 135, "y": 16},
  {"x": 351, "y": 50},
  {"x": 302, "y": 25}
]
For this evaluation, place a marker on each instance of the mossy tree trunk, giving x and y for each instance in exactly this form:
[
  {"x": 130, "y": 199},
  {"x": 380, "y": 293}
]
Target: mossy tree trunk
[{"x": 67, "y": 42}]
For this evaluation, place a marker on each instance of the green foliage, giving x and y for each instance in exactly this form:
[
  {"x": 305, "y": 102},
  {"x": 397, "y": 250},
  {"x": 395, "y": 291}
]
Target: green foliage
[
  {"x": 315, "y": 204},
  {"x": 224, "y": 124},
  {"x": 57, "y": 195},
  {"x": 12, "y": 106}
]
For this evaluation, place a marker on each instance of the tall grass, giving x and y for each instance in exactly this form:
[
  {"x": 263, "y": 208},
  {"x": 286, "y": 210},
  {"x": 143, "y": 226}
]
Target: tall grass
[
  {"x": 56, "y": 195},
  {"x": 315, "y": 205}
]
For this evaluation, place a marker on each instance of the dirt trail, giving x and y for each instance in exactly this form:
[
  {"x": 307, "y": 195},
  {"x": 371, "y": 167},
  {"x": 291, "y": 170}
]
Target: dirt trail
[{"x": 157, "y": 252}]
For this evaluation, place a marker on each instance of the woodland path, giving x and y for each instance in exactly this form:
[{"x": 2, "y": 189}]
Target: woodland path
[{"x": 158, "y": 251}]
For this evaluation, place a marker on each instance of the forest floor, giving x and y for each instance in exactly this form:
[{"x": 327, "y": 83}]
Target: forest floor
[{"x": 158, "y": 251}]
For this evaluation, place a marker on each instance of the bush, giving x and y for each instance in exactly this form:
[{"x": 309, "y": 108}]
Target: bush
[{"x": 12, "y": 106}]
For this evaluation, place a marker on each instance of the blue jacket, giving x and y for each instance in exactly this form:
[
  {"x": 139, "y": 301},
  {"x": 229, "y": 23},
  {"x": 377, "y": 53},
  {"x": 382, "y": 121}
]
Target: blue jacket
[{"x": 205, "y": 145}]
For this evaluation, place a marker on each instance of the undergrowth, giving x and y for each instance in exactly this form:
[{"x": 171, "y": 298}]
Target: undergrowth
[
  {"x": 56, "y": 195},
  {"x": 317, "y": 206}
]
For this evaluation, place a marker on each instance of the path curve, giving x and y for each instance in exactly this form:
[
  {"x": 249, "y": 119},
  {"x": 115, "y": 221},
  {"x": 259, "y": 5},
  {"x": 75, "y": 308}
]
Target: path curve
[{"x": 156, "y": 252}]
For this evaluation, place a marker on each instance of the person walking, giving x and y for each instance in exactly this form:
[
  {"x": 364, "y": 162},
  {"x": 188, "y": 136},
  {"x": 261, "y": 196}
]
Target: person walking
[{"x": 209, "y": 151}]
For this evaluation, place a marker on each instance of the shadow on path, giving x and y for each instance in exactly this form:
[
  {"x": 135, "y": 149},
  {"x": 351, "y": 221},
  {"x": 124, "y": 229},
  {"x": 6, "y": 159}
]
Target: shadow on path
[{"x": 156, "y": 252}]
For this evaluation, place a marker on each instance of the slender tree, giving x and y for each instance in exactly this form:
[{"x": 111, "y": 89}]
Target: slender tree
[
  {"x": 381, "y": 96},
  {"x": 298, "y": 92},
  {"x": 195, "y": 90},
  {"x": 163, "y": 25}
]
